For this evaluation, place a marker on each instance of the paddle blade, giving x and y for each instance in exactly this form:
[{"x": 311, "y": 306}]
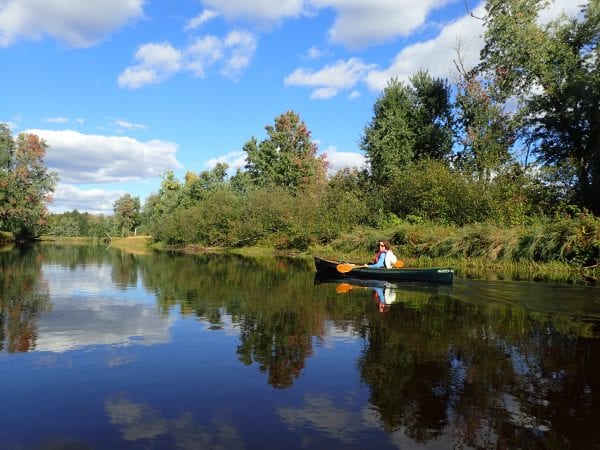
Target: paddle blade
[
  {"x": 344, "y": 267},
  {"x": 399, "y": 264},
  {"x": 343, "y": 288}
]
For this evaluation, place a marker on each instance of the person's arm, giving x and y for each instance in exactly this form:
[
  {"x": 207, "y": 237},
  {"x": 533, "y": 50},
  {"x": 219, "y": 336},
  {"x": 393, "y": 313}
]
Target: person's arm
[{"x": 380, "y": 262}]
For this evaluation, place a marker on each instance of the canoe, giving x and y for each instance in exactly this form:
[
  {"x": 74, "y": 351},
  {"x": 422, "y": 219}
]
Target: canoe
[{"x": 428, "y": 275}]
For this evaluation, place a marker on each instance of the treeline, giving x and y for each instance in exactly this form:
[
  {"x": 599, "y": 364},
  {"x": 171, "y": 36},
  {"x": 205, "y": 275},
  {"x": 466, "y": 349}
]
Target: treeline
[{"x": 513, "y": 143}]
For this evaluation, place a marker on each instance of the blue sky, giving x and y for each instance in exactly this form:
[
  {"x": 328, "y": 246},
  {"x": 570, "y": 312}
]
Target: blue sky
[{"x": 125, "y": 90}]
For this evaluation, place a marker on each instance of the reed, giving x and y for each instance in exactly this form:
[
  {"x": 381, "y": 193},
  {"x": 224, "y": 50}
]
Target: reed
[{"x": 563, "y": 249}]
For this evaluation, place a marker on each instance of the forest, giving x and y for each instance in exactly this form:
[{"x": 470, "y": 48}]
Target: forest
[{"x": 502, "y": 163}]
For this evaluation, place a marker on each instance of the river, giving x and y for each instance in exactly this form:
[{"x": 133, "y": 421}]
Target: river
[{"x": 103, "y": 349}]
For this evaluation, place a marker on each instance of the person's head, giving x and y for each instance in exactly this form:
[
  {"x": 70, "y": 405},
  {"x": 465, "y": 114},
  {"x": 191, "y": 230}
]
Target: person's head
[{"x": 383, "y": 245}]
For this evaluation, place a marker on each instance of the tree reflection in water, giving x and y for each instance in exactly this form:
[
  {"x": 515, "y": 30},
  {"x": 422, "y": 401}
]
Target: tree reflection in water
[
  {"x": 436, "y": 366},
  {"x": 23, "y": 295},
  {"x": 496, "y": 378}
]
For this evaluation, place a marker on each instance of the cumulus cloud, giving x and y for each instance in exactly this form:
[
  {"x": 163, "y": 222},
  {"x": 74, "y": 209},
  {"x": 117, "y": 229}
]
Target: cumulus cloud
[
  {"x": 241, "y": 46},
  {"x": 84, "y": 158},
  {"x": 262, "y": 11},
  {"x": 206, "y": 16},
  {"x": 154, "y": 64},
  {"x": 341, "y": 160},
  {"x": 83, "y": 317},
  {"x": 157, "y": 62},
  {"x": 329, "y": 80},
  {"x": 435, "y": 55},
  {"x": 78, "y": 24},
  {"x": 235, "y": 160},
  {"x": 360, "y": 24},
  {"x": 555, "y": 8},
  {"x": 95, "y": 201}
]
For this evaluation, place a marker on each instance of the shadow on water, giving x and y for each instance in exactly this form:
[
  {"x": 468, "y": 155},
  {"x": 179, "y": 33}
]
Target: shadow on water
[{"x": 475, "y": 364}]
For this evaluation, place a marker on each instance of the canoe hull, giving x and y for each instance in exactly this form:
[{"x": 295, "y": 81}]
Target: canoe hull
[{"x": 426, "y": 275}]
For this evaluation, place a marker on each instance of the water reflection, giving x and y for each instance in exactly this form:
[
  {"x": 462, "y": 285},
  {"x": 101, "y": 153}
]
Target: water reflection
[
  {"x": 141, "y": 422},
  {"x": 475, "y": 365}
]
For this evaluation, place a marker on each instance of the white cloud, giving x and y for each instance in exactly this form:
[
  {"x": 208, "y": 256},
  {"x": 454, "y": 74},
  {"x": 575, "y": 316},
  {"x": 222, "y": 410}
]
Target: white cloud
[
  {"x": 95, "y": 201},
  {"x": 241, "y": 46},
  {"x": 155, "y": 63},
  {"x": 124, "y": 125},
  {"x": 324, "y": 93},
  {"x": 76, "y": 23},
  {"x": 57, "y": 119},
  {"x": 158, "y": 62},
  {"x": 331, "y": 78},
  {"x": 84, "y": 316},
  {"x": 235, "y": 160},
  {"x": 315, "y": 53},
  {"x": 84, "y": 158},
  {"x": 262, "y": 11},
  {"x": 206, "y": 16},
  {"x": 436, "y": 55},
  {"x": 203, "y": 53},
  {"x": 360, "y": 23},
  {"x": 340, "y": 160},
  {"x": 555, "y": 8}
]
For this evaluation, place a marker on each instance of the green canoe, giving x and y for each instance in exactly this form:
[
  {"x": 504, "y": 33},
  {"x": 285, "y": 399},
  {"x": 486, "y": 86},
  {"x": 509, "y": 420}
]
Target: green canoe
[{"x": 332, "y": 268}]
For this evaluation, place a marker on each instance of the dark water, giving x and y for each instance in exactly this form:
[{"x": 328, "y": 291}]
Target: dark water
[{"x": 108, "y": 350}]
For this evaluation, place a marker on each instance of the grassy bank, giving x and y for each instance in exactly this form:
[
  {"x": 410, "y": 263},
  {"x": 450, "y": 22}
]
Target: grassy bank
[{"x": 555, "y": 251}]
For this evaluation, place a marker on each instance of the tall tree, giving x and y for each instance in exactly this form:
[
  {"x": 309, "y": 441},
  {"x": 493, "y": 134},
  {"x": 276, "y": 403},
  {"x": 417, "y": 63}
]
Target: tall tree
[
  {"x": 127, "y": 213},
  {"x": 410, "y": 122},
  {"x": 287, "y": 157},
  {"x": 431, "y": 116},
  {"x": 553, "y": 70},
  {"x": 197, "y": 186},
  {"x": 486, "y": 132},
  {"x": 25, "y": 183},
  {"x": 388, "y": 140}
]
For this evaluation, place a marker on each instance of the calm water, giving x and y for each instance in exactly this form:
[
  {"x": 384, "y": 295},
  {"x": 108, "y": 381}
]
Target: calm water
[{"x": 108, "y": 350}]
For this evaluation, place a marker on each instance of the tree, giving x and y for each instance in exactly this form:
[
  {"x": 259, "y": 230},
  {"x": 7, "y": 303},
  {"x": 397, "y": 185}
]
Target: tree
[
  {"x": 410, "y": 122},
  {"x": 485, "y": 131},
  {"x": 127, "y": 213},
  {"x": 25, "y": 184},
  {"x": 197, "y": 186},
  {"x": 431, "y": 117},
  {"x": 288, "y": 157},
  {"x": 553, "y": 70},
  {"x": 162, "y": 203},
  {"x": 389, "y": 140}
]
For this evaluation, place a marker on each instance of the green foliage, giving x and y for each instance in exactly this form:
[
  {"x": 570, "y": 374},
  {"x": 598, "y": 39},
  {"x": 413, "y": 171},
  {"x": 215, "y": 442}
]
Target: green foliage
[
  {"x": 485, "y": 131},
  {"x": 409, "y": 123},
  {"x": 574, "y": 240},
  {"x": 560, "y": 59},
  {"x": 288, "y": 157},
  {"x": 434, "y": 191},
  {"x": 431, "y": 117},
  {"x": 25, "y": 184},
  {"x": 388, "y": 140},
  {"x": 127, "y": 214}
]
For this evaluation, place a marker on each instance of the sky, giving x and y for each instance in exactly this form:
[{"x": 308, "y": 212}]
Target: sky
[{"x": 123, "y": 91}]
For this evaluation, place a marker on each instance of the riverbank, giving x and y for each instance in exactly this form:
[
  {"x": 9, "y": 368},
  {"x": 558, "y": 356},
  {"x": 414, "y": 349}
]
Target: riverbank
[{"x": 466, "y": 267}]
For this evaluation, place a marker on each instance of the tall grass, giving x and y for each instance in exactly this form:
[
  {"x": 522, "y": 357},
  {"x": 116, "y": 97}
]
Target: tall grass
[{"x": 565, "y": 249}]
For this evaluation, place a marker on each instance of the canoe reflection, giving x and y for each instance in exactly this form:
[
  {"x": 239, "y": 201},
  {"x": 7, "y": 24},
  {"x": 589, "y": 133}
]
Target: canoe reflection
[{"x": 385, "y": 293}]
